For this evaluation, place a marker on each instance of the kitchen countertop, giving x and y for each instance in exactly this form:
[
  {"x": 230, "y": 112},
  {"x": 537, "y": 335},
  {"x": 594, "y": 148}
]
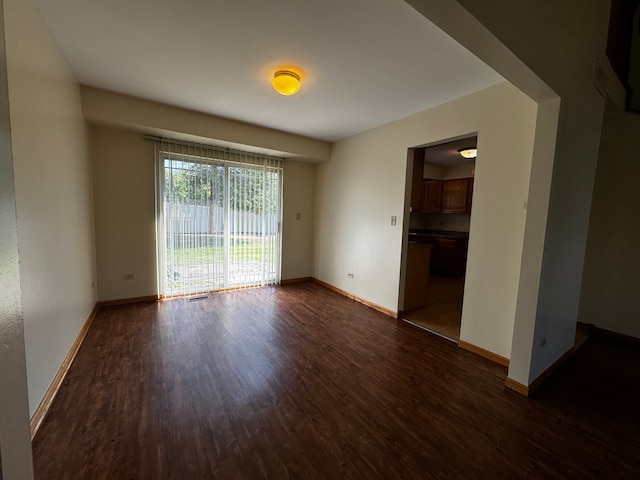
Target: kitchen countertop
[
  {"x": 414, "y": 244},
  {"x": 438, "y": 233}
]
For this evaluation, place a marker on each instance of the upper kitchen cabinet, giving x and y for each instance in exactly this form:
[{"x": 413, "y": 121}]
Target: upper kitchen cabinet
[
  {"x": 416, "y": 180},
  {"x": 432, "y": 196},
  {"x": 455, "y": 196}
]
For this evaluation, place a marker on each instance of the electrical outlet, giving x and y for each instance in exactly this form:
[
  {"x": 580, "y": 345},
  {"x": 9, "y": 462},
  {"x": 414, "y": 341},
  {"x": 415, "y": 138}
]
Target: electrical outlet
[
  {"x": 350, "y": 275},
  {"x": 393, "y": 221},
  {"x": 298, "y": 216},
  {"x": 129, "y": 276}
]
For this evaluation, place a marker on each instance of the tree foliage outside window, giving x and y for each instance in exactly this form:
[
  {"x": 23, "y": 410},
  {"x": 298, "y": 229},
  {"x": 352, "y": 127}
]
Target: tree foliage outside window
[{"x": 250, "y": 188}]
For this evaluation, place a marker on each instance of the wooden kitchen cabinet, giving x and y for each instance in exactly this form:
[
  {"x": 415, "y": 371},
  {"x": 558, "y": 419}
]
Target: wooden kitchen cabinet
[
  {"x": 417, "y": 277},
  {"x": 432, "y": 196},
  {"x": 416, "y": 180},
  {"x": 455, "y": 195},
  {"x": 448, "y": 254},
  {"x": 443, "y": 256}
]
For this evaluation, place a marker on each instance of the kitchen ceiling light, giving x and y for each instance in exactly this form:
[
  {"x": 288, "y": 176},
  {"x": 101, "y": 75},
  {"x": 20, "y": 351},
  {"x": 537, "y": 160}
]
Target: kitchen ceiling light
[
  {"x": 469, "y": 152},
  {"x": 286, "y": 82}
]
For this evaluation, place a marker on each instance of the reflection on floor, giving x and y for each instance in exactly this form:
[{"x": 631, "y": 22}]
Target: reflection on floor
[{"x": 443, "y": 311}]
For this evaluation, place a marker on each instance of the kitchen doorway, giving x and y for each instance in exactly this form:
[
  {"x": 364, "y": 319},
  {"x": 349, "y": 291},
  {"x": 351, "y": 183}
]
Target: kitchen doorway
[{"x": 440, "y": 212}]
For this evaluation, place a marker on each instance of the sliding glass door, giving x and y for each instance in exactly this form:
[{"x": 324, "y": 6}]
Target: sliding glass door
[{"x": 220, "y": 223}]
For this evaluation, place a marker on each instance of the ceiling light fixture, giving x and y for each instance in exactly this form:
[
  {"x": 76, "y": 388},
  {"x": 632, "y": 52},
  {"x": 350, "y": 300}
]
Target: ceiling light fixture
[
  {"x": 286, "y": 82},
  {"x": 468, "y": 152}
]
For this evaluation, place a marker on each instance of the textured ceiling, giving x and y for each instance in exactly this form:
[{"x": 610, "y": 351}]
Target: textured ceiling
[{"x": 364, "y": 62}]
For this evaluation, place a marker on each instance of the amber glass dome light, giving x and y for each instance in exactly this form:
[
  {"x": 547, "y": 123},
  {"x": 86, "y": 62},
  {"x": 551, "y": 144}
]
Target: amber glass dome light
[{"x": 286, "y": 82}]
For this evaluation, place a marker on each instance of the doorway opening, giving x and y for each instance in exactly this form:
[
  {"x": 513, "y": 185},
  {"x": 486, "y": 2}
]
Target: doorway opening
[{"x": 440, "y": 215}]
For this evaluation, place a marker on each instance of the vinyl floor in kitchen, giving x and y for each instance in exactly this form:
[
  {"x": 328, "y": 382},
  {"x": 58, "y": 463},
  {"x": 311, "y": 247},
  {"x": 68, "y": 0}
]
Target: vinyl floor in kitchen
[{"x": 443, "y": 311}]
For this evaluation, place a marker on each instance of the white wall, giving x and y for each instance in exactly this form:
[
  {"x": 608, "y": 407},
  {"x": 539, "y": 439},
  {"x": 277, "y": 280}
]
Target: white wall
[
  {"x": 458, "y": 171},
  {"x": 125, "y": 214},
  {"x": 297, "y": 234},
  {"x": 432, "y": 171},
  {"x": 15, "y": 449},
  {"x": 445, "y": 173},
  {"x": 123, "y": 164},
  {"x": 576, "y": 33},
  {"x": 516, "y": 38},
  {"x": 53, "y": 195},
  {"x": 131, "y": 113},
  {"x": 610, "y": 282},
  {"x": 363, "y": 185}
]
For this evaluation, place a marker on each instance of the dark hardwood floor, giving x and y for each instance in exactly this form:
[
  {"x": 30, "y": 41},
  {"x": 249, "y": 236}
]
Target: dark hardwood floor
[{"x": 300, "y": 382}]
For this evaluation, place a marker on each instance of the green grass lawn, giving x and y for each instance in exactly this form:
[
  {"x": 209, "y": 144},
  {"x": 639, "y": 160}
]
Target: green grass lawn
[{"x": 211, "y": 250}]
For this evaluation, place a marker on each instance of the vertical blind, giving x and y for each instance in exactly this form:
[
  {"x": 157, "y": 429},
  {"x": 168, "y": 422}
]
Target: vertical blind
[{"x": 218, "y": 218}]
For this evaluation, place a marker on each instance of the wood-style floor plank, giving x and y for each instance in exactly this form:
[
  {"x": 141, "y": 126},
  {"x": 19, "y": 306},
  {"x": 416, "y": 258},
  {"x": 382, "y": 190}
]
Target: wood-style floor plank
[{"x": 300, "y": 382}]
